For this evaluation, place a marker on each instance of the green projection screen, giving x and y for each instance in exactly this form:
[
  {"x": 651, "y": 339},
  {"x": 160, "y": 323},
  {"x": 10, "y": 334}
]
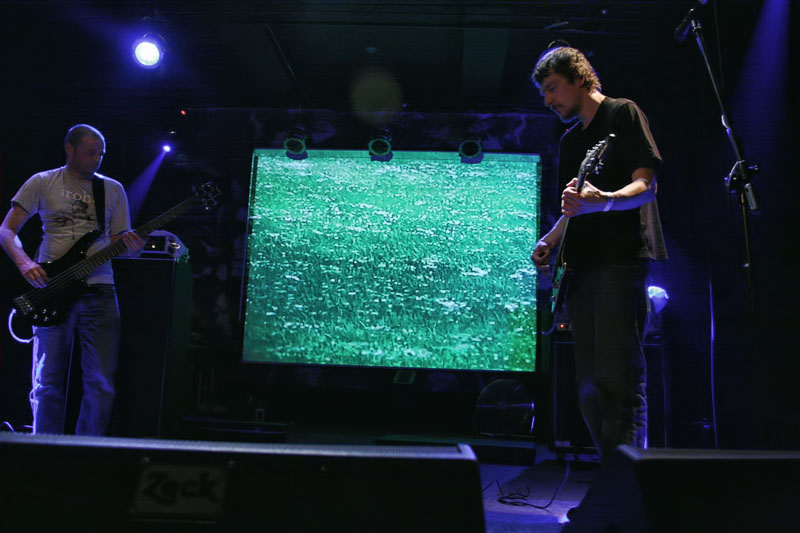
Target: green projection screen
[{"x": 418, "y": 262}]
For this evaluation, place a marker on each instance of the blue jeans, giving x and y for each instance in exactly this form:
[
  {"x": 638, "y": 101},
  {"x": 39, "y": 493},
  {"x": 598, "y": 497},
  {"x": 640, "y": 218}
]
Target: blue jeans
[
  {"x": 608, "y": 307},
  {"x": 94, "y": 317}
]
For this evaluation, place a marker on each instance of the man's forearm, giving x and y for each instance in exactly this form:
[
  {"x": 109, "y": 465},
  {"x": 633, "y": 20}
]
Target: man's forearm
[
  {"x": 13, "y": 248},
  {"x": 633, "y": 195},
  {"x": 641, "y": 190},
  {"x": 553, "y": 237}
]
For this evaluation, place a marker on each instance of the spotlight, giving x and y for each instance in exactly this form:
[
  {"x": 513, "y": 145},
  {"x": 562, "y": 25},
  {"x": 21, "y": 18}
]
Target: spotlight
[
  {"x": 295, "y": 144},
  {"x": 149, "y": 50},
  {"x": 166, "y": 148},
  {"x": 380, "y": 146},
  {"x": 470, "y": 149}
]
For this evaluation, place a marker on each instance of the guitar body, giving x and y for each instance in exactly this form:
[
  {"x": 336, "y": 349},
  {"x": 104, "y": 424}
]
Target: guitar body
[
  {"x": 50, "y": 305},
  {"x": 559, "y": 284}
]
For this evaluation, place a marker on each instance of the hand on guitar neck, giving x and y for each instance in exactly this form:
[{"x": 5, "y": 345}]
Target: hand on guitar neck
[
  {"x": 133, "y": 242},
  {"x": 589, "y": 199}
]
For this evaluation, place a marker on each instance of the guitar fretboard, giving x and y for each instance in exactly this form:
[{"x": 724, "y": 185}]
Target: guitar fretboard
[{"x": 83, "y": 268}]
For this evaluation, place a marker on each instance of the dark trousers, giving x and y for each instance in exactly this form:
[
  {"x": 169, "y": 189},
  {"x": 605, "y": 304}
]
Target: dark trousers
[{"x": 608, "y": 310}]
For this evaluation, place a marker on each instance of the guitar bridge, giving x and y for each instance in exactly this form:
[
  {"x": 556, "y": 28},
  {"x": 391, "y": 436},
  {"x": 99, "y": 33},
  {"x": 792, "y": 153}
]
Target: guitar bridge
[{"x": 23, "y": 305}]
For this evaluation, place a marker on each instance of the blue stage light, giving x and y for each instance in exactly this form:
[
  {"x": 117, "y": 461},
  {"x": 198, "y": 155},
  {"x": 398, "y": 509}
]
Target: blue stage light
[
  {"x": 148, "y": 51},
  {"x": 166, "y": 148}
]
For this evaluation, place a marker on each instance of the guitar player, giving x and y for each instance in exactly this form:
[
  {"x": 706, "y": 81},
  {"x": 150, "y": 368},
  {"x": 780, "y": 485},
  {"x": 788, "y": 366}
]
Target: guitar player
[
  {"x": 68, "y": 200},
  {"x": 613, "y": 234}
]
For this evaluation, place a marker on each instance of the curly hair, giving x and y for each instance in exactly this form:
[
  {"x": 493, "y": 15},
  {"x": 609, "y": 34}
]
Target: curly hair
[{"x": 568, "y": 62}]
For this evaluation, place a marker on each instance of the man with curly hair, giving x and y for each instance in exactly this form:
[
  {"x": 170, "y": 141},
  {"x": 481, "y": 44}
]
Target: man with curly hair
[{"x": 614, "y": 233}]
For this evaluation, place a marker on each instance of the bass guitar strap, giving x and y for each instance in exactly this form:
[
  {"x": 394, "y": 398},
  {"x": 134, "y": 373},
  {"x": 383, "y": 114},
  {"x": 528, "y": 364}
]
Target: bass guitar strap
[{"x": 99, "y": 193}]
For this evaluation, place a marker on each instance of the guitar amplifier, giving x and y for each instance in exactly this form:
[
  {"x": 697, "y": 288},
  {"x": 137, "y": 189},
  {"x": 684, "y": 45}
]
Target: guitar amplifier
[
  {"x": 162, "y": 244},
  {"x": 155, "y": 298}
]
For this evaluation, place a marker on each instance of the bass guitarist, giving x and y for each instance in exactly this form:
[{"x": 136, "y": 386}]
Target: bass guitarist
[
  {"x": 72, "y": 201},
  {"x": 613, "y": 234}
]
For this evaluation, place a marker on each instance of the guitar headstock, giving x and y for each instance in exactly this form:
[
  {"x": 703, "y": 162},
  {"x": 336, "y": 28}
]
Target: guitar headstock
[
  {"x": 207, "y": 194},
  {"x": 595, "y": 156}
]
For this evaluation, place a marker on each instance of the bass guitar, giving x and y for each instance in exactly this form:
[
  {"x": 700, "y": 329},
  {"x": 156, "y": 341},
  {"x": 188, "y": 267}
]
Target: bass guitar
[
  {"x": 592, "y": 164},
  {"x": 49, "y": 306}
]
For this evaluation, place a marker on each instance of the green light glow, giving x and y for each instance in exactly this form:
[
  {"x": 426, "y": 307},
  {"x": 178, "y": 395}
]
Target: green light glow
[{"x": 419, "y": 262}]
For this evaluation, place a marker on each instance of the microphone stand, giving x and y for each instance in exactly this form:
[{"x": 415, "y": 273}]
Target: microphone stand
[
  {"x": 739, "y": 179},
  {"x": 739, "y": 183}
]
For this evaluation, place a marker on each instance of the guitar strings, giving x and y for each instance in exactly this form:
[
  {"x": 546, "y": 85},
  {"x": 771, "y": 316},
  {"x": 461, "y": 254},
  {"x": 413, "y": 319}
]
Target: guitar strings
[{"x": 62, "y": 280}]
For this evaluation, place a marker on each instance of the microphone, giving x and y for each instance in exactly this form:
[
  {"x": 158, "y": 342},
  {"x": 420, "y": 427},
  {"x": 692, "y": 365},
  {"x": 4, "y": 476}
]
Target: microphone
[{"x": 683, "y": 28}]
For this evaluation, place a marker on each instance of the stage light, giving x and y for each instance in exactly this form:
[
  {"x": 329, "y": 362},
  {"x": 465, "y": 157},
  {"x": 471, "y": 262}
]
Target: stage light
[
  {"x": 380, "y": 146},
  {"x": 149, "y": 50},
  {"x": 295, "y": 144},
  {"x": 166, "y": 148},
  {"x": 470, "y": 149}
]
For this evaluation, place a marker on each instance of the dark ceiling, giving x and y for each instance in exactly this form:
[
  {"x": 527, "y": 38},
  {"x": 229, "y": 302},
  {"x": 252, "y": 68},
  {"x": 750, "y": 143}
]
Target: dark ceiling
[
  {"x": 248, "y": 70},
  {"x": 341, "y": 55}
]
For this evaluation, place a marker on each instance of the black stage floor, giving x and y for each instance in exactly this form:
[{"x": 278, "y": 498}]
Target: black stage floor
[{"x": 526, "y": 486}]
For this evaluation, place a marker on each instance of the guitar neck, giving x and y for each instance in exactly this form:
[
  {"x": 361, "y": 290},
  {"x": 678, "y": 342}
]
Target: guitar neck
[
  {"x": 88, "y": 265},
  {"x": 560, "y": 255},
  {"x": 591, "y": 164}
]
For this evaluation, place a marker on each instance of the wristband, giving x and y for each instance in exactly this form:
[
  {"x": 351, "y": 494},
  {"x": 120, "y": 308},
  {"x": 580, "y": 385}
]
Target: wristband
[{"x": 609, "y": 204}]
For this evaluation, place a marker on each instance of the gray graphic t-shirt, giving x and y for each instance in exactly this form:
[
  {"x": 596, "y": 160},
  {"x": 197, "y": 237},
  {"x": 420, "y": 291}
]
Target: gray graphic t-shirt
[{"x": 66, "y": 207}]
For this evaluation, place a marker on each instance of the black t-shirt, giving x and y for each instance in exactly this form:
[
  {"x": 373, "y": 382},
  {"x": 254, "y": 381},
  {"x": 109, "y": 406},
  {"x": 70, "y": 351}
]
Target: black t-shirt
[{"x": 613, "y": 236}]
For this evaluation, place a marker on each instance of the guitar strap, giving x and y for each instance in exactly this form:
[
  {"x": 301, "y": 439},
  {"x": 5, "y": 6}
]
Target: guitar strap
[{"x": 99, "y": 192}]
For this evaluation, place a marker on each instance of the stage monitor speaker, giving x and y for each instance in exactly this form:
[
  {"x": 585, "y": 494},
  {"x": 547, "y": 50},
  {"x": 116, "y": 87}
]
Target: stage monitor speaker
[
  {"x": 155, "y": 299},
  {"x": 123, "y": 484},
  {"x": 670, "y": 490},
  {"x": 569, "y": 429}
]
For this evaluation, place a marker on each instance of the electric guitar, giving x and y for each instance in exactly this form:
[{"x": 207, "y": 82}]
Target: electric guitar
[
  {"x": 49, "y": 306},
  {"x": 592, "y": 164}
]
